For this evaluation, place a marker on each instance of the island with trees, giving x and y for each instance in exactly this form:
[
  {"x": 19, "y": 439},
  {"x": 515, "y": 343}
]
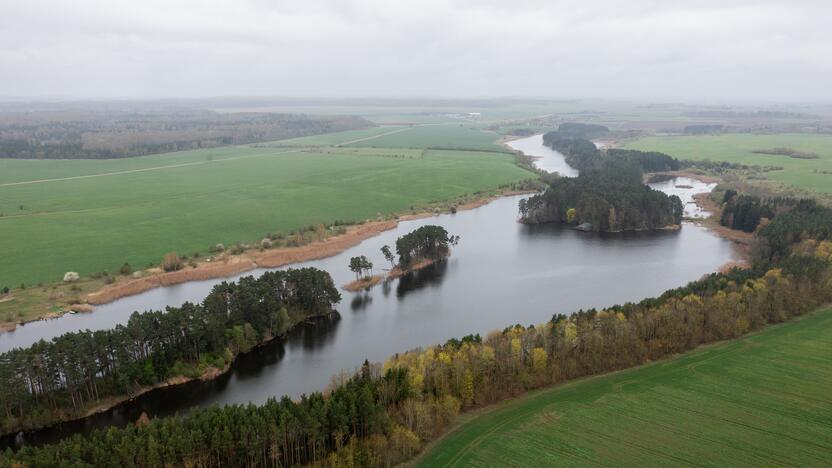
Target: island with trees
[
  {"x": 609, "y": 194},
  {"x": 417, "y": 249}
]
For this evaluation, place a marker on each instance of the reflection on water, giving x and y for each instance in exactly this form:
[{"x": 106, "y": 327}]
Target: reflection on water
[
  {"x": 361, "y": 300},
  {"x": 685, "y": 188},
  {"x": 502, "y": 272},
  {"x": 428, "y": 277}
]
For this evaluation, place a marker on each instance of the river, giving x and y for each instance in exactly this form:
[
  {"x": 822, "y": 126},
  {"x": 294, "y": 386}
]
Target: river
[{"x": 501, "y": 273}]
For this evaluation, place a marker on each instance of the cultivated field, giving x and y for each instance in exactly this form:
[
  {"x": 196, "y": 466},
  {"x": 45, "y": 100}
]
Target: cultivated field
[
  {"x": 806, "y": 174},
  {"x": 432, "y": 136},
  {"x": 90, "y": 216},
  {"x": 760, "y": 401}
]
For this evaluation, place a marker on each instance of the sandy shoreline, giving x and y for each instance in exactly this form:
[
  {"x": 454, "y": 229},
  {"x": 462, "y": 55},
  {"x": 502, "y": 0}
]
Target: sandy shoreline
[
  {"x": 231, "y": 265},
  {"x": 227, "y": 265}
]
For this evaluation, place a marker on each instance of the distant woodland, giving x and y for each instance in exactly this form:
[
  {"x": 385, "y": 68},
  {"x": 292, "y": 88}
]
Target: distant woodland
[{"x": 104, "y": 134}]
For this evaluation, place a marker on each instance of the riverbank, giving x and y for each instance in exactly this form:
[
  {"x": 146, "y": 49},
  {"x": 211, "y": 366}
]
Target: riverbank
[
  {"x": 742, "y": 242},
  {"x": 54, "y": 300},
  {"x": 205, "y": 374}
]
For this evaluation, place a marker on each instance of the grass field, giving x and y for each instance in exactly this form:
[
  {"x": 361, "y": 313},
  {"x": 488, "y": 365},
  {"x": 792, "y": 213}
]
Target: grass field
[
  {"x": 89, "y": 216},
  {"x": 445, "y": 135},
  {"x": 761, "y": 401},
  {"x": 802, "y": 173},
  {"x": 338, "y": 138}
]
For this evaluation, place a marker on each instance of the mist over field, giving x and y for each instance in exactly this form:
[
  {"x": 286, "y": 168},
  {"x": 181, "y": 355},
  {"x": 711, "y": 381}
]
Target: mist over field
[{"x": 733, "y": 49}]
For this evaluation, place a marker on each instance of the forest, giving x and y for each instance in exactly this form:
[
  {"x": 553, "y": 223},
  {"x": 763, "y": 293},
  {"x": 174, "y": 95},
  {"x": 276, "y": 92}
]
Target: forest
[
  {"x": 103, "y": 134},
  {"x": 383, "y": 415},
  {"x": 608, "y": 195},
  {"x": 61, "y": 379}
]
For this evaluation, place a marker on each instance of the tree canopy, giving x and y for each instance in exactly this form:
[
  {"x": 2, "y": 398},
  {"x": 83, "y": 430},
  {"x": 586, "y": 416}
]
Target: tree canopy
[
  {"x": 61, "y": 378},
  {"x": 426, "y": 242}
]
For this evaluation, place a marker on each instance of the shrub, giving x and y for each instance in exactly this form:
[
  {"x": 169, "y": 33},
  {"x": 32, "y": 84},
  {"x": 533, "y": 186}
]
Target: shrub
[
  {"x": 6, "y": 290},
  {"x": 125, "y": 269},
  {"x": 172, "y": 262}
]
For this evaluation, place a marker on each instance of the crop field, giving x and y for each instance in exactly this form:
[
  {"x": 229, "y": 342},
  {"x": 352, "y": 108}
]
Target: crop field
[
  {"x": 440, "y": 135},
  {"x": 761, "y": 401},
  {"x": 90, "y": 216},
  {"x": 808, "y": 174},
  {"x": 338, "y": 138}
]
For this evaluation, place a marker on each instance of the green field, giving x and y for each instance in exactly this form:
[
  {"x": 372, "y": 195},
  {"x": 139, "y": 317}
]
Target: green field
[
  {"x": 761, "y": 401},
  {"x": 337, "y": 138},
  {"x": 445, "y": 136},
  {"x": 135, "y": 210},
  {"x": 802, "y": 173}
]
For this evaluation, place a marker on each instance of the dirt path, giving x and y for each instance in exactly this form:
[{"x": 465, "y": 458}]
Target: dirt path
[
  {"x": 398, "y": 130},
  {"x": 146, "y": 169}
]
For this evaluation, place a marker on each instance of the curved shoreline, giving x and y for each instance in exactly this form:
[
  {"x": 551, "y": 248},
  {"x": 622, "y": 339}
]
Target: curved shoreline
[{"x": 231, "y": 265}]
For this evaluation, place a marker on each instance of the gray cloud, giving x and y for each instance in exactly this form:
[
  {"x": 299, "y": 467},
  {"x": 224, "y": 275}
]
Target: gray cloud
[{"x": 121, "y": 48}]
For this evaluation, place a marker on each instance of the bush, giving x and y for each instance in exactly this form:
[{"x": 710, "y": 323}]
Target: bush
[
  {"x": 172, "y": 262},
  {"x": 125, "y": 269},
  {"x": 6, "y": 290}
]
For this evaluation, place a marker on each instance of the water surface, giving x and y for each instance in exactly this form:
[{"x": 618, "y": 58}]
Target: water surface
[{"x": 501, "y": 273}]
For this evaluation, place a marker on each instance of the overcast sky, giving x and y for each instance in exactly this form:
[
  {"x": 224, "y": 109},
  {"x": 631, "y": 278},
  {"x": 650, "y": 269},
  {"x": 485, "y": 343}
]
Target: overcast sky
[{"x": 606, "y": 48}]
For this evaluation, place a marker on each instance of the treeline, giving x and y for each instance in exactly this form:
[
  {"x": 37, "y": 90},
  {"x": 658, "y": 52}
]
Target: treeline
[
  {"x": 782, "y": 221},
  {"x": 62, "y": 378},
  {"x": 379, "y": 417},
  {"x": 609, "y": 194},
  {"x": 103, "y": 134},
  {"x": 758, "y": 114},
  {"x": 744, "y": 212},
  {"x": 702, "y": 130},
  {"x": 584, "y": 156},
  {"x": 581, "y": 130},
  {"x": 807, "y": 220}
]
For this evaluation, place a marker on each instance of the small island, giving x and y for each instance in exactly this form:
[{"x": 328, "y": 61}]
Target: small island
[{"x": 418, "y": 249}]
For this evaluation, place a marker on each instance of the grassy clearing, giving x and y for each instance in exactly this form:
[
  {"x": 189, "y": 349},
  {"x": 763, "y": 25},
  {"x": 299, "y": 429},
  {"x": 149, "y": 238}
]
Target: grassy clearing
[
  {"x": 134, "y": 210},
  {"x": 760, "y": 401},
  {"x": 806, "y": 174}
]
